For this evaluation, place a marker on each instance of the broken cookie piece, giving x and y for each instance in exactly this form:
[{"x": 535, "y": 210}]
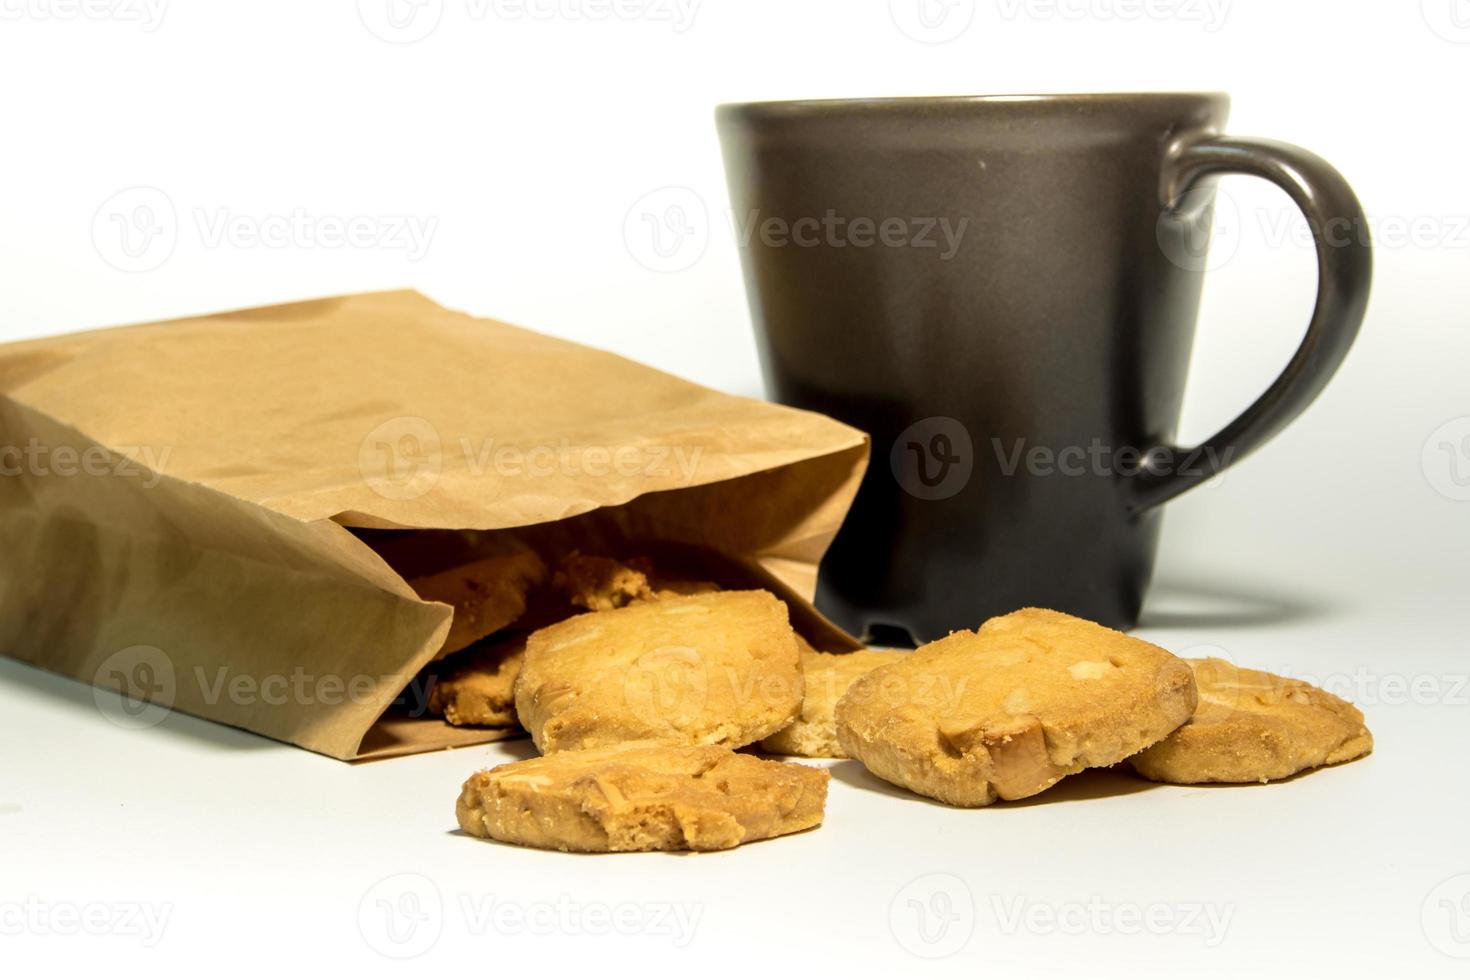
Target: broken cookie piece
[
  {"x": 598, "y": 584},
  {"x": 642, "y": 796},
  {"x": 1006, "y": 711},
  {"x": 477, "y": 685},
  {"x": 825, "y": 679},
  {"x": 1252, "y": 726},
  {"x": 488, "y": 594}
]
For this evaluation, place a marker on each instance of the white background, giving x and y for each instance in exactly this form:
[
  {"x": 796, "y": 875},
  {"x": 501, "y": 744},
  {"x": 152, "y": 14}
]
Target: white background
[{"x": 522, "y": 147}]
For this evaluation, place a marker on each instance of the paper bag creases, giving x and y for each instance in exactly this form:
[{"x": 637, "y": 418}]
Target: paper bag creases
[{"x": 175, "y": 497}]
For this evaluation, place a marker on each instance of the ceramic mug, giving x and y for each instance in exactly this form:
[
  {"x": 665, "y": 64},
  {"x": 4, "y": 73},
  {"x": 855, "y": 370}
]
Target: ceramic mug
[{"x": 1003, "y": 291}]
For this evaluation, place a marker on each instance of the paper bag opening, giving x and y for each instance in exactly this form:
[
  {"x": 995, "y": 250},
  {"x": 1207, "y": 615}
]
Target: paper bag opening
[{"x": 178, "y": 529}]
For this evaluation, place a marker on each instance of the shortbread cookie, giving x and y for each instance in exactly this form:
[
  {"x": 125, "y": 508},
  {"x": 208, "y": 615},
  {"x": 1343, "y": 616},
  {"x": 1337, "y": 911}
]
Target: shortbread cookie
[
  {"x": 598, "y": 584},
  {"x": 642, "y": 796},
  {"x": 714, "y": 669},
  {"x": 488, "y": 594},
  {"x": 1252, "y": 726},
  {"x": 1008, "y": 710},
  {"x": 825, "y": 677},
  {"x": 477, "y": 685}
]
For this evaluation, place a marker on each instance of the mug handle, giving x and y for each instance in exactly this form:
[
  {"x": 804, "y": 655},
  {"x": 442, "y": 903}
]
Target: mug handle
[{"x": 1344, "y": 274}]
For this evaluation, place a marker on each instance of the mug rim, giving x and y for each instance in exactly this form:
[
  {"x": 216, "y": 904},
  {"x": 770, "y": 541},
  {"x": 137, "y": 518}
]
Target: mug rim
[{"x": 789, "y": 107}]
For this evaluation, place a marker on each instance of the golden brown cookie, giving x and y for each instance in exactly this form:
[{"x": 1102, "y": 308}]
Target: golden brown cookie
[
  {"x": 1251, "y": 727},
  {"x": 598, "y": 584},
  {"x": 487, "y": 594},
  {"x": 825, "y": 677},
  {"x": 713, "y": 669},
  {"x": 477, "y": 685},
  {"x": 642, "y": 796},
  {"x": 1006, "y": 711}
]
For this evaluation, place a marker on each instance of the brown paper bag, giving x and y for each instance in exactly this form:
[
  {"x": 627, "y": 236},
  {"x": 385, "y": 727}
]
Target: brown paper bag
[{"x": 176, "y": 498}]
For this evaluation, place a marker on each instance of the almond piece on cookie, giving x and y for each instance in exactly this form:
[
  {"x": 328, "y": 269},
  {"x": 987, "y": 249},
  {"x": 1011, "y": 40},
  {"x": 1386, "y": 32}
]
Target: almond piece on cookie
[
  {"x": 642, "y": 796},
  {"x": 1252, "y": 727},
  {"x": 1006, "y": 711},
  {"x": 713, "y": 669},
  {"x": 825, "y": 678}
]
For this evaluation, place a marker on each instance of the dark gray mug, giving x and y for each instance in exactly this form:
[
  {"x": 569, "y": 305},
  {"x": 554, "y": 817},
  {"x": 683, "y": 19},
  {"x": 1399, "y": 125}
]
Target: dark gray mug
[{"x": 1003, "y": 292}]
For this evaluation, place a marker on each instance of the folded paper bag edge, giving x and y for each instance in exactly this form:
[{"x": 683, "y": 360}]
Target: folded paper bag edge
[
  {"x": 826, "y": 439},
  {"x": 334, "y": 475},
  {"x": 114, "y": 573}
]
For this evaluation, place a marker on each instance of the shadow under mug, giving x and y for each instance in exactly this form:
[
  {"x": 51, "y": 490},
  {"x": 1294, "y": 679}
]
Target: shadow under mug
[{"x": 1002, "y": 290}]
